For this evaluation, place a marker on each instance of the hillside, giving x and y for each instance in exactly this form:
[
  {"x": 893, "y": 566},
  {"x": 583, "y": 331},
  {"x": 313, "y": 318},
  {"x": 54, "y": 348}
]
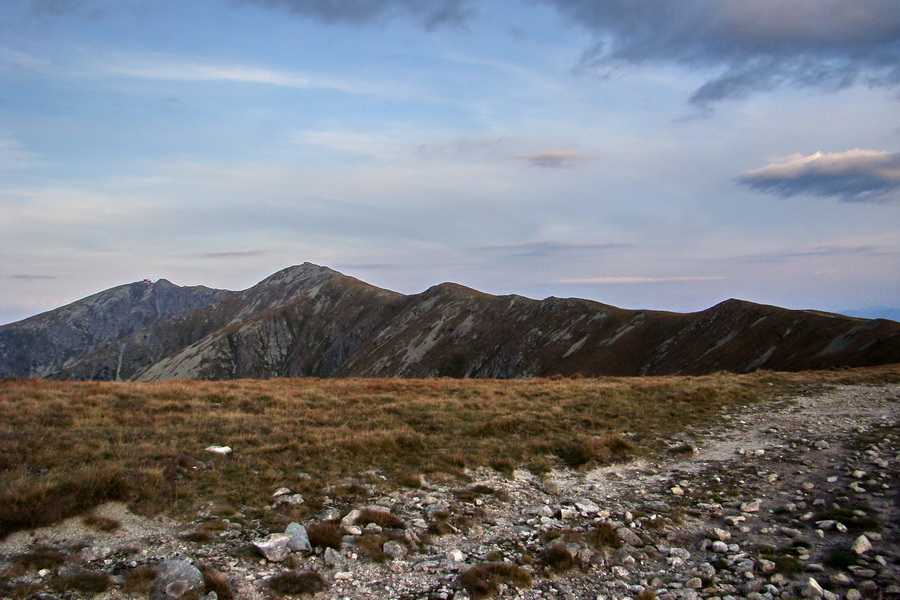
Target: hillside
[
  {"x": 43, "y": 344},
  {"x": 309, "y": 320}
]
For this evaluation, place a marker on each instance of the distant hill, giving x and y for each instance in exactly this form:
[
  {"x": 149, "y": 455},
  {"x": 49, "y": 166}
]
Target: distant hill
[
  {"x": 43, "y": 344},
  {"x": 875, "y": 312},
  {"x": 313, "y": 321}
]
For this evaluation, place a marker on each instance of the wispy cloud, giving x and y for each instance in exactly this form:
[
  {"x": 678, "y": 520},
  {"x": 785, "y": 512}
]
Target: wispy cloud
[
  {"x": 755, "y": 45},
  {"x": 431, "y": 14},
  {"x": 553, "y": 159},
  {"x": 627, "y": 280},
  {"x": 229, "y": 254},
  {"x": 550, "y": 247},
  {"x": 852, "y": 176},
  {"x": 178, "y": 68},
  {"x": 14, "y": 156},
  {"x": 29, "y": 277}
]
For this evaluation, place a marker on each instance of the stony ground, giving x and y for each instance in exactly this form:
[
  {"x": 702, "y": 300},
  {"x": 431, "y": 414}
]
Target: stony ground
[{"x": 787, "y": 500}]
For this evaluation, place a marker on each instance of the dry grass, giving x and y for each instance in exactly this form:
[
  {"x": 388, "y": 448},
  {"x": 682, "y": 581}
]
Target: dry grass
[
  {"x": 66, "y": 447},
  {"x": 483, "y": 581},
  {"x": 292, "y": 583}
]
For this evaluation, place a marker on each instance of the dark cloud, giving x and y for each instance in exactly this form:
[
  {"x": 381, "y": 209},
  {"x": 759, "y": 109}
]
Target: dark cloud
[
  {"x": 552, "y": 159},
  {"x": 431, "y": 14},
  {"x": 853, "y": 176},
  {"x": 754, "y": 45},
  {"x": 533, "y": 249},
  {"x": 815, "y": 252},
  {"x": 231, "y": 254}
]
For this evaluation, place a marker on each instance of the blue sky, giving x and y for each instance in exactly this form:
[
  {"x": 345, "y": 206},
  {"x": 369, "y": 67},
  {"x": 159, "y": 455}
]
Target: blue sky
[{"x": 643, "y": 154}]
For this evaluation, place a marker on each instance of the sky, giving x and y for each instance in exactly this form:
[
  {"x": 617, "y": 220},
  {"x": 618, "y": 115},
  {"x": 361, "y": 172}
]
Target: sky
[{"x": 645, "y": 154}]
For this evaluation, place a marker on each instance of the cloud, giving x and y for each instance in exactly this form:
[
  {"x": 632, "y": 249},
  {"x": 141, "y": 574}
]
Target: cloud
[
  {"x": 14, "y": 156},
  {"x": 852, "y": 176},
  {"x": 431, "y": 14},
  {"x": 175, "y": 68},
  {"x": 552, "y": 159},
  {"x": 818, "y": 251},
  {"x": 230, "y": 254},
  {"x": 754, "y": 45},
  {"x": 550, "y": 247},
  {"x": 629, "y": 280},
  {"x": 27, "y": 277}
]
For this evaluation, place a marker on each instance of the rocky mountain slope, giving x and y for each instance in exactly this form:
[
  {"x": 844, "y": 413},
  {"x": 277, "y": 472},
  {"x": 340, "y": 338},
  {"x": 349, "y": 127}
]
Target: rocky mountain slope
[
  {"x": 312, "y": 321},
  {"x": 792, "y": 499},
  {"x": 45, "y": 343}
]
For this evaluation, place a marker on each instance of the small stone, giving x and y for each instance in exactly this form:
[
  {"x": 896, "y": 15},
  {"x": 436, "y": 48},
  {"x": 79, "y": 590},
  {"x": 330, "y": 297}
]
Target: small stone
[
  {"x": 274, "y": 547},
  {"x": 299, "y": 541},
  {"x": 720, "y": 534},
  {"x": 620, "y": 572},
  {"x": 822, "y": 445},
  {"x": 720, "y": 547},
  {"x": 853, "y": 594},
  {"x": 281, "y": 492},
  {"x": 394, "y": 549},
  {"x": 840, "y": 579},
  {"x": 343, "y": 576},
  {"x": 629, "y": 537},
  {"x": 350, "y": 518},
  {"x": 331, "y": 557},
  {"x": 813, "y": 589},
  {"x": 220, "y": 450},
  {"x": 290, "y": 499},
  {"x": 456, "y": 555},
  {"x": 750, "y": 507},
  {"x": 862, "y": 545},
  {"x": 677, "y": 490},
  {"x": 586, "y": 507},
  {"x": 176, "y": 579},
  {"x": 694, "y": 583}
]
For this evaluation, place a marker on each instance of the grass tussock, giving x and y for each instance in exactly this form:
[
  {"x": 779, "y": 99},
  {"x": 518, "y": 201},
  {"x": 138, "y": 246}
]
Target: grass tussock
[
  {"x": 139, "y": 580},
  {"x": 483, "y": 581},
  {"x": 324, "y": 535},
  {"x": 217, "y": 582},
  {"x": 86, "y": 582},
  {"x": 66, "y": 447},
  {"x": 380, "y": 518},
  {"x": 291, "y": 583}
]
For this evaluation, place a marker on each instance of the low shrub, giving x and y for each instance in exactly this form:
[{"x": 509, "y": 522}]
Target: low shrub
[
  {"x": 292, "y": 583},
  {"x": 483, "y": 581}
]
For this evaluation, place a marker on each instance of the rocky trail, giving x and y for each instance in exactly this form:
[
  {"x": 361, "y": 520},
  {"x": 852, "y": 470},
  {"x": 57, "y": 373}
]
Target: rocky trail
[{"x": 792, "y": 499}]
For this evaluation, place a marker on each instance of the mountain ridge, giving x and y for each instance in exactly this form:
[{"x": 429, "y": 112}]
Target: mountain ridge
[{"x": 310, "y": 320}]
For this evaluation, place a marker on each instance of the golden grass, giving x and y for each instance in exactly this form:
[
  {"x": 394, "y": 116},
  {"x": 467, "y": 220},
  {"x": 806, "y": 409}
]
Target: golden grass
[{"x": 68, "y": 446}]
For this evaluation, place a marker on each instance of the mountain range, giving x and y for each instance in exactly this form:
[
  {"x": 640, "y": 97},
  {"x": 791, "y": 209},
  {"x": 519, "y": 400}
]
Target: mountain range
[{"x": 310, "y": 320}]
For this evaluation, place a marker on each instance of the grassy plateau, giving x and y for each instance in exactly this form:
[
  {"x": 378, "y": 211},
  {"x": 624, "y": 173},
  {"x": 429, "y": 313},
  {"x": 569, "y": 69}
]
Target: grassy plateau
[{"x": 68, "y": 446}]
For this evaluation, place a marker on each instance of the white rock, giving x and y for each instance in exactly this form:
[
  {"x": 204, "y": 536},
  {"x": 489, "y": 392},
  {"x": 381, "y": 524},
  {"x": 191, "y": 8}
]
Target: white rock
[
  {"x": 862, "y": 545},
  {"x": 456, "y": 555},
  {"x": 720, "y": 534},
  {"x": 750, "y": 507},
  {"x": 220, "y": 450},
  {"x": 350, "y": 518},
  {"x": 282, "y": 491},
  {"x": 275, "y": 547},
  {"x": 813, "y": 589},
  {"x": 720, "y": 547},
  {"x": 677, "y": 490}
]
